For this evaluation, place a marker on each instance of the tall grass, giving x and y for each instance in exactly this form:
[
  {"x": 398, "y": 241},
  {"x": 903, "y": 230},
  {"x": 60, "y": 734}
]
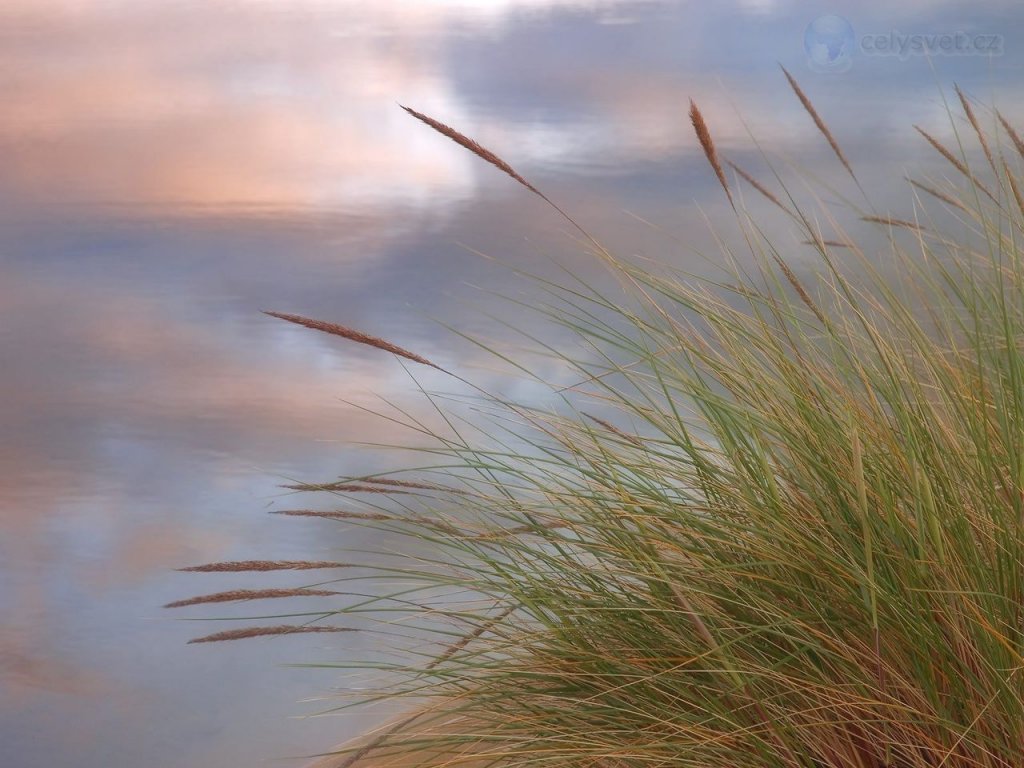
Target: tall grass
[{"x": 793, "y": 536}]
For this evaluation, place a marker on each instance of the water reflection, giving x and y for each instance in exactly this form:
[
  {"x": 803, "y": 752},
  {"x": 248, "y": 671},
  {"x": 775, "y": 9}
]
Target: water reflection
[{"x": 170, "y": 169}]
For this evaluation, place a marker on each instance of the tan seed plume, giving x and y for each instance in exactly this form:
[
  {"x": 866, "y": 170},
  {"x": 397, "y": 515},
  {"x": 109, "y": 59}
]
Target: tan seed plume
[
  {"x": 411, "y": 484},
  {"x": 969, "y": 112},
  {"x": 353, "y": 335},
  {"x": 830, "y": 243},
  {"x": 805, "y": 297},
  {"x": 1014, "y": 188},
  {"x": 241, "y": 634},
  {"x": 941, "y": 149},
  {"x": 954, "y": 161},
  {"x": 1018, "y": 143},
  {"x": 614, "y": 430},
  {"x": 758, "y": 186},
  {"x": 438, "y": 525},
  {"x": 239, "y": 566},
  {"x": 822, "y": 128},
  {"x": 367, "y": 485},
  {"x": 890, "y": 222},
  {"x": 333, "y": 514},
  {"x": 347, "y": 487},
  {"x": 249, "y": 594},
  {"x": 708, "y": 145},
  {"x": 939, "y": 195},
  {"x": 518, "y": 530},
  {"x": 485, "y": 154},
  {"x": 481, "y": 152}
]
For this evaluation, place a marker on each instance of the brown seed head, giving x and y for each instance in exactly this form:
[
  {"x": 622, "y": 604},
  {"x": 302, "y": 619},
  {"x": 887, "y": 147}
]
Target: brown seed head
[
  {"x": 708, "y": 145},
  {"x": 333, "y": 514},
  {"x": 822, "y": 128},
  {"x": 352, "y": 335},
  {"x": 263, "y": 565},
  {"x": 472, "y": 146},
  {"x": 954, "y": 161},
  {"x": 969, "y": 112},
  {"x": 249, "y": 594},
  {"x": 241, "y": 634},
  {"x": 1018, "y": 143}
]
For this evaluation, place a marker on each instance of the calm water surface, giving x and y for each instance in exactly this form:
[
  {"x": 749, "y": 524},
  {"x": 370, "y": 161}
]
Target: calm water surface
[{"x": 169, "y": 169}]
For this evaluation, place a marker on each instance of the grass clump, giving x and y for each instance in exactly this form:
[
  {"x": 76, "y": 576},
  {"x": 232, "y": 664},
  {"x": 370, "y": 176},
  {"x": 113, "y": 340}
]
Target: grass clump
[{"x": 789, "y": 535}]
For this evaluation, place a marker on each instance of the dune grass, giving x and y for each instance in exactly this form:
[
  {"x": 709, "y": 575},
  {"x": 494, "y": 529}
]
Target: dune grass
[{"x": 777, "y": 522}]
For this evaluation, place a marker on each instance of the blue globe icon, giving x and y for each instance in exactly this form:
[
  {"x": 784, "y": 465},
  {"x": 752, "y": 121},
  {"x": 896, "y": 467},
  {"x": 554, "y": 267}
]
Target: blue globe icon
[{"x": 829, "y": 43}]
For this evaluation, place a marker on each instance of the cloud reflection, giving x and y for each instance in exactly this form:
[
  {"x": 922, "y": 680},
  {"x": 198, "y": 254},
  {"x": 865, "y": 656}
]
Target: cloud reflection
[
  {"x": 293, "y": 106},
  {"x": 286, "y": 105}
]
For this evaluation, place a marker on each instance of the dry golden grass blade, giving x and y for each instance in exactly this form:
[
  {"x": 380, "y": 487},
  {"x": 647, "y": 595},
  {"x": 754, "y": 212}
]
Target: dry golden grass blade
[
  {"x": 745, "y": 291},
  {"x": 822, "y": 128},
  {"x": 249, "y": 594},
  {"x": 973, "y": 120},
  {"x": 1018, "y": 143},
  {"x": 333, "y": 514},
  {"x": 708, "y": 145},
  {"x": 353, "y": 335},
  {"x": 954, "y": 161},
  {"x": 239, "y": 566},
  {"x": 482, "y": 152},
  {"x": 241, "y": 634},
  {"x": 891, "y": 222},
  {"x": 939, "y": 195},
  {"x": 381, "y": 739},
  {"x": 687, "y": 609},
  {"x": 428, "y": 734}
]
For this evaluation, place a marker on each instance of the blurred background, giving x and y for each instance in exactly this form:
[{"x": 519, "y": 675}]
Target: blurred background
[{"x": 167, "y": 170}]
